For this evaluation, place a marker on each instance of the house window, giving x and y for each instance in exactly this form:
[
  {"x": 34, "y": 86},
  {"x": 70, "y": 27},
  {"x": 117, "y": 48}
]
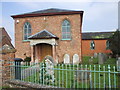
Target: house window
[
  {"x": 92, "y": 45},
  {"x": 66, "y": 33},
  {"x": 27, "y": 30},
  {"x": 107, "y": 45}
]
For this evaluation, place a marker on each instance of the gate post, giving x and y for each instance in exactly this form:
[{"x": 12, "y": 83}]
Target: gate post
[{"x": 18, "y": 68}]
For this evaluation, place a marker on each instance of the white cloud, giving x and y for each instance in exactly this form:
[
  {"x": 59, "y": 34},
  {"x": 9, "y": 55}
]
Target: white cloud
[{"x": 98, "y": 11}]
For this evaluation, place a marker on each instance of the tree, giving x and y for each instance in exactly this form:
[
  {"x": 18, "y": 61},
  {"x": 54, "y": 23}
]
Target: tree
[{"x": 114, "y": 41}]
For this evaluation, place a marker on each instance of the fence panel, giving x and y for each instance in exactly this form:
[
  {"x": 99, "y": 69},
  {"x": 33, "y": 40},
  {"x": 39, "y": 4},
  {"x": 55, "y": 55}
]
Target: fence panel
[{"x": 68, "y": 75}]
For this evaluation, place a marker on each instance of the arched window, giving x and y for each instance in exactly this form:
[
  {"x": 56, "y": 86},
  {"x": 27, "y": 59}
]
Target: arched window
[
  {"x": 27, "y": 30},
  {"x": 107, "y": 44},
  {"x": 92, "y": 45},
  {"x": 66, "y": 32}
]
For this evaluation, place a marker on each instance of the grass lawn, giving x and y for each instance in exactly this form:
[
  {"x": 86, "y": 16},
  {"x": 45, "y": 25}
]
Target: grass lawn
[
  {"x": 2, "y": 87},
  {"x": 65, "y": 75}
]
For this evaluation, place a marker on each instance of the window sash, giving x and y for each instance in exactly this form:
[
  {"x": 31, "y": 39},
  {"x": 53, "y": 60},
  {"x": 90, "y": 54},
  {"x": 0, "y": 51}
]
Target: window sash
[
  {"x": 92, "y": 45},
  {"x": 66, "y": 34},
  {"x": 27, "y": 30},
  {"x": 107, "y": 45}
]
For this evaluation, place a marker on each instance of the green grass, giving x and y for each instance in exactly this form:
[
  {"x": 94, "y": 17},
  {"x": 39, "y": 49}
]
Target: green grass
[
  {"x": 87, "y": 58},
  {"x": 110, "y": 61},
  {"x": 66, "y": 78},
  {"x": 6, "y": 86}
]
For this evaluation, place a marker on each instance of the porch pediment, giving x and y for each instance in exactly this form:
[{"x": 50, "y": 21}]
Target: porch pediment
[{"x": 43, "y": 36}]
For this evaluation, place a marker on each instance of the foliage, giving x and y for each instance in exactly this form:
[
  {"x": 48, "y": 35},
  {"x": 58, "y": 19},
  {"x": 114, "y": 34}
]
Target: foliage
[
  {"x": 115, "y": 43},
  {"x": 27, "y": 59}
]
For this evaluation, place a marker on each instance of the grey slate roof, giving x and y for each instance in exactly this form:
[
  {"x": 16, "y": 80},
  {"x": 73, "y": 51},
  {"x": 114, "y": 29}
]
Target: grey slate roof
[
  {"x": 44, "y": 34},
  {"x": 51, "y": 10},
  {"x": 96, "y": 35}
]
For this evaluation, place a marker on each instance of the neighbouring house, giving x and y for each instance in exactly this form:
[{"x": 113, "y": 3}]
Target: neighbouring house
[
  {"x": 95, "y": 42},
  {"x": 53, "y": 32},
  {"x": 7, "y": 50}
]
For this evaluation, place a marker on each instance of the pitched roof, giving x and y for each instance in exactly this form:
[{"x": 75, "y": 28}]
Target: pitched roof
[
  {"x": 3, "y": 34},
  {"x": 44, "y": 34},
  {"x": 96, "y": 35},
  {"x": 51, "y": 11}
]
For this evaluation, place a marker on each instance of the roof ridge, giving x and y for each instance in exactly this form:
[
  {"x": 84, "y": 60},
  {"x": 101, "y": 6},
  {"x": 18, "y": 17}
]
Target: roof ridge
[{"x": 49, "y": 11}]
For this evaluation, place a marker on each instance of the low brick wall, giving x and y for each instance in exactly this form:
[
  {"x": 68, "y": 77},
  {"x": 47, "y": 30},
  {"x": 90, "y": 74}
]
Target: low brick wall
[
  {"x": 22, "y": 84},
  {"x": 4, "y": 66}
]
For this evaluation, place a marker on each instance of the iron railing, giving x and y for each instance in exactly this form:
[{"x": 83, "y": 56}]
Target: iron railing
[{"x": 67, "y": 75}]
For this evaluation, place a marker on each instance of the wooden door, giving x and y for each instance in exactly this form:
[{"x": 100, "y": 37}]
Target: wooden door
[{"x": 46, "y": 49}]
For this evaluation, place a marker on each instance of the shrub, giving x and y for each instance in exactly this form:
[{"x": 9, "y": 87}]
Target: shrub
[{"x": 27, "y": 59}]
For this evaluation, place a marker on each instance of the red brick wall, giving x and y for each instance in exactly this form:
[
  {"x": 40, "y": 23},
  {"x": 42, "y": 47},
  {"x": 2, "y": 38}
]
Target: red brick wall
[
  {"x": 100, "y": 47},
  {"x": 8, "y": 56},
  {"x": 52, "y": 24}
]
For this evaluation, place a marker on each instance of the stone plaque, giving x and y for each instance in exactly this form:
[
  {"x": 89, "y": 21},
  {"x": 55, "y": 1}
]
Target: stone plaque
[
  {"x": 50, "y": 58},
  {"x": 49, "y": 72},
  {"x": 118, "y": 64},
  {"x": 75, "y": 59},
  {"x": 66, "y": 59},
  {"x": 82, "y": 75},
  {"x": 101, "y": 58},
  {"x": 49, "y": 66},
  {"x": 95, "y": 55}
]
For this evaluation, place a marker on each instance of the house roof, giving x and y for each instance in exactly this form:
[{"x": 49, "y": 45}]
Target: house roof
[
  {"x": 44, "y": 34},
  {"x": 96, "y": 35},
  {"x": 48, "y": 12},
  {"x": 3, "y": 34},
  {"x": 5, "y": 41}
]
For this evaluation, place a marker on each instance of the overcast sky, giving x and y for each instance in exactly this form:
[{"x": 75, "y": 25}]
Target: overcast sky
[{"x": 98, "y": 15}]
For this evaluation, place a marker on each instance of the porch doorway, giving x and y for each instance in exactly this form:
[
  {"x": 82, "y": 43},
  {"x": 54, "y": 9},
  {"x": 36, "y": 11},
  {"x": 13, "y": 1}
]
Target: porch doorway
[{"x": 44, "y": 50}]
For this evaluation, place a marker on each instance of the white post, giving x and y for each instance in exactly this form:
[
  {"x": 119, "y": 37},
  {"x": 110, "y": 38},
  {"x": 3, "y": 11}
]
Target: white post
[
  {"x": 32, "y": 53},
  {"x": 53, "y": 50}
]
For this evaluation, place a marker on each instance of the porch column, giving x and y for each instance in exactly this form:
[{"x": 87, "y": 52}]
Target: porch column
[
  {"x": 53, "y": 50},
  {"x": 36, "y": 54},
  {"x": 56, "y": 48},
  {"x": 32, "y": 53}
]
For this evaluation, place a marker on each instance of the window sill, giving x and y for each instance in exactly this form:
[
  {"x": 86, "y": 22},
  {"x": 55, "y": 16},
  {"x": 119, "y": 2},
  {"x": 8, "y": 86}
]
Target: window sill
[
  {"x": 66, "y": 39},
  {"x": 92, "y": 49},
  {"x": 26, "y": 40}
]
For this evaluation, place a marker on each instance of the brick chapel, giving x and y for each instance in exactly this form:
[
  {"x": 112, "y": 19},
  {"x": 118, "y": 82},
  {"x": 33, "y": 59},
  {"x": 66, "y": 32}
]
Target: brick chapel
[{"x": 53, "y": 32}]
